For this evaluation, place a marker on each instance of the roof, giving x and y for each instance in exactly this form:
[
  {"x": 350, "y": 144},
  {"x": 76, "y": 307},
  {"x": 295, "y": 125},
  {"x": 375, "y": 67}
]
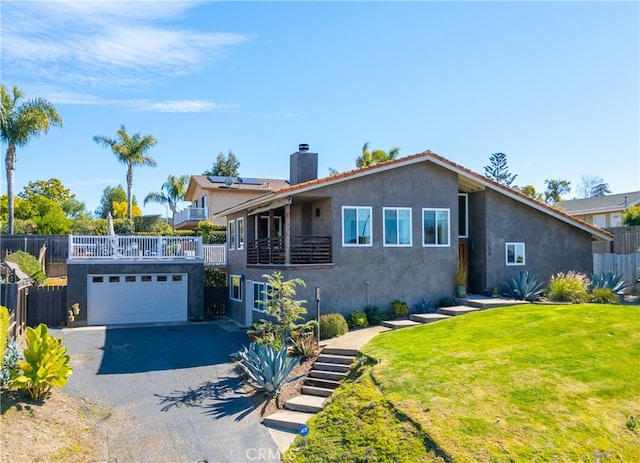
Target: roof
[
  {"x": 468, "y": 180},
  {"x": 595, "y": 204},
  {"x": 236, "y": 183}
]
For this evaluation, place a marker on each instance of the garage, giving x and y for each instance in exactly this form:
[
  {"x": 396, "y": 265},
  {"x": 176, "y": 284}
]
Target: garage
[{"x": 136, "y": 298}]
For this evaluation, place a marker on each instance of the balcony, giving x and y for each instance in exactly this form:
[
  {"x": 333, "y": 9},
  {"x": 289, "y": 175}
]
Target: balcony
[
  {"x": 303, "y": 250},
  {"x": 135, "y": 247},
  {"x": 188, "y": 218}
]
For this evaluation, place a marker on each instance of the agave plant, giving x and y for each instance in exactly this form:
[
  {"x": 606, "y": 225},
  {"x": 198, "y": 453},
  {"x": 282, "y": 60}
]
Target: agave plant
[
  {"x": 610, "y": 280},
  {"x": 267, "y": 366},
  {"x": 524, "y": 287}
]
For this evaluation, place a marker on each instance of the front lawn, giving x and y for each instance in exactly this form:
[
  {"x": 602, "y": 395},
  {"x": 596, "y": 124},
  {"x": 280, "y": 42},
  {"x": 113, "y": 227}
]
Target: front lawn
[{"x": 523, "y": 383}]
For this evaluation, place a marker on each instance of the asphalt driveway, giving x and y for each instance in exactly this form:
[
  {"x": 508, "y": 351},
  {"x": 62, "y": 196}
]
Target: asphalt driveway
[{"x": 173, "y": 393}]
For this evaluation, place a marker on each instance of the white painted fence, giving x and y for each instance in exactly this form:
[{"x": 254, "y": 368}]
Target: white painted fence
[
  {"x": 626, "y": 264},
  {"x": 135, "y": 247},
  {"x": 215, "y": 254}
]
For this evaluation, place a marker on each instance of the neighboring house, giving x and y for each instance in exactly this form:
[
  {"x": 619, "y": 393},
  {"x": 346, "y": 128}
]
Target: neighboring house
[
  {"x": 395, "y": 230},
  {"x": 601, "y": 211},
  {"x": 209, "y": 194}
]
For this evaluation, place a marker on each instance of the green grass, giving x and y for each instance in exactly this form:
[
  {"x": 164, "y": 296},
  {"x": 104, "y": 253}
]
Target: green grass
[{"x": 525, "y": 383}]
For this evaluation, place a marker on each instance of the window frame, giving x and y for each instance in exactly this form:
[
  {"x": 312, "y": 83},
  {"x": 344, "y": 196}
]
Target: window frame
[
  {"x": 259, "y": 301},
  {"x": 370, "y": 236},
  {"x": 231, "y": 239},
  {"x": 435, "y": 210},
  {"x": 397, "y": 244},
  {"x": 240, "y": 233},
  {"x": 466, "y": 215},
  {"x": 232, "y": 287},
  {"x": 515, "y": 245}
]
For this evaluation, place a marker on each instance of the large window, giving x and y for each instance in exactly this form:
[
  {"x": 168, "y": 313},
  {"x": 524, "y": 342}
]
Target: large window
[
  {"x": 397, "y": 226},
  {"x": 232, "y": 234},
  {"x": 240, "y": 243},
  {"x": 235, "y": 290},
  {"x": 435, "y": 227},
  {"x": 463, "y": 215},
  {"x": 356, "y": 226},
  {"x": 515, "y": 253}
]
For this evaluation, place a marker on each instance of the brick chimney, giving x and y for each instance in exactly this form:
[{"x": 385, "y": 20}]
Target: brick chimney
[{"x": 303, "y": 165}]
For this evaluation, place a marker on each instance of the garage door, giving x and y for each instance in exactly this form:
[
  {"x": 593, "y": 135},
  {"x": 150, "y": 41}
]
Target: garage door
[{"x": 113, "y": 299}]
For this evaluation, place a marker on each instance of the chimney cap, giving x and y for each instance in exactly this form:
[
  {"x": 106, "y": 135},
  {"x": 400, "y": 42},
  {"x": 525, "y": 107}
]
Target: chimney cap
[{"x": 303, "y": 147}]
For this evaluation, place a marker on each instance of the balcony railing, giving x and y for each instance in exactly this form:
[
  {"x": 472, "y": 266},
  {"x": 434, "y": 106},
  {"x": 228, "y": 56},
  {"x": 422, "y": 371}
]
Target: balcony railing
[
  {"x": 304, "y": 250},
  {"x": 215, "y": 254},
  {"x": 190, "y": 214},
  {"x": 135, "y": 247}
]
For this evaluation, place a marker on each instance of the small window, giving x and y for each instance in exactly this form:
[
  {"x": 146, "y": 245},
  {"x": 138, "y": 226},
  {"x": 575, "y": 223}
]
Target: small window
[
  {"x": 435, "y": 227},
  {"x": 397, "y": 226},
  {"x": 145, "y": 278},
  {"x": 97, "y": 279},
  {"x": 240, "y": 237},
  {"x": 463, "y": 215},
  {"x": 130, "y": 278},
  {"x": 114, "y": 279},
  {"x": 161, "y": 278},
  {"x": 259, "y": 296},
  {"x": 232, "y": 234},
  {"x": 356, "y": 226},
  {"x": 235, "y": 291},
  {"x": 176, "y": 278},
  {"x": 515, "y": 254}
]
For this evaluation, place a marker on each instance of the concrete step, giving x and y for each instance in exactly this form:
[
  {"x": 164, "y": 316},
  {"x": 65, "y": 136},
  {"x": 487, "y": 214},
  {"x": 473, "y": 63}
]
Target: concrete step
[
  {"x": 396, "y": 324},
  {"x": 339, "y": 367},
  {"x": 331, "y": 375},
  {"x": 486, "y": 302},
  {"x": 306, "y": 403},
  {"x": 457, "y": 310},
  {"x": 317, "y": 391},
  {"x": 319, "y": 382},
  {"x": 340, "y": 351},
  {"x": 428, "y": 317},
  {"x": 342, "y": 359},
  {"x": 287, "y": 419}
]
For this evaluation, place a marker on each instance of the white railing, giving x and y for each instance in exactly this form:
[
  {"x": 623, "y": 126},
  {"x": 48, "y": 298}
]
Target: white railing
[
  {"x": 135, "y": 247},
  {"x": 190, "y": 214},
  {"x": 215, "y": 254}
]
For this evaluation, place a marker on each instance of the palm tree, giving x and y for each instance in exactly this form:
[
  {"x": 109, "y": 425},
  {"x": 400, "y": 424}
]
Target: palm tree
[
  {"x": 369, "y": 158},
  {"x": 130, "y": 150},
  {"x": 171, "y": 193},
  {"x": 19, "y": 122}
]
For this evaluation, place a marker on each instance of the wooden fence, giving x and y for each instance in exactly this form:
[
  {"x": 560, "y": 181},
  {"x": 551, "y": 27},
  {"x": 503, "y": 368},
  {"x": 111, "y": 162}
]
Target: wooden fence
[
  {"x": 626, "y": 264},
  {"x": 48, "y": 305},
  {"x": 55, "y": 257},
  {"x": 626, "y": 240},
  {"x": 215, "y": 301},
  {"x": 14, "y": 297}
]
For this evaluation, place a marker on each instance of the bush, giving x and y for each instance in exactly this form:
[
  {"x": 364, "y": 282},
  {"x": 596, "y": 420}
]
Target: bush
[
  {"x": 568, "y": 287},
  {"x": 4, "y": 326},
  {"x": 446, "y": 301},
  {"x": 609, "y": 280},
  {"x": 212, "y": 233},
  {"x": 357, "y": 320},
  {"x": 424, "y": 306},
  {"x": 524, "y": 287},
  {"x": 28, "y": 264},
  {"x": 303, "y": 344},
  {"x": 375, "y": 315},
  {"x": 332, "y": 325},
  {"x": 400, "y": 309},
  {"x": 9, "y": 362},
  {"x": 213, "y": 277},
  {"x": 604, "y": 296}
]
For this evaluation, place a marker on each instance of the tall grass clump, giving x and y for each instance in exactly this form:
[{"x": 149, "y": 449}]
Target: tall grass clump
[{"x": 568, "y": 287}]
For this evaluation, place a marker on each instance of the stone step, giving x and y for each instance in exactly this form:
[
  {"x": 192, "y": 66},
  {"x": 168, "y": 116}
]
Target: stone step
[
  {"x": 457, "y": 310},
  {"x": 331, "y": 375},
  {"x": 324, "y": 383},
  {"x": 428, "y": 317},
  {"x": 317, "y": 391},
  {"x": 396, "y": 324},
  {"x": 340, "y": 351},
  {"x": 342, "y": 359},
  {"x": 287, "y": 419},
  {"x": 484, "y": 302},
  {"x": 339, "y": 367},
  {"x": 305, "y": 403}
]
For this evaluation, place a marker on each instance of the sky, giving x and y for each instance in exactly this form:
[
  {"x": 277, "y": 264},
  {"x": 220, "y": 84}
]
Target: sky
[{"x": 553, "y": 85}]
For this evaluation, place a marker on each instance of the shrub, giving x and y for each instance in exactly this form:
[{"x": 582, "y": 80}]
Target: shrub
[
  {"x": 524, "y": 287},
  {"x": 213, "y": 277},
  {"x": 4, "y": 326},
  {"x": 424, "y": 306},
  {"x": 332, "y": 325},
  {"x": 446, "y": 301},
  {"x": 375, "y": 315},
  {"x": 357, "y": 320},
  {"x": 303, "y": 345},
  {"x": 45, "y": 364},
  {"x": 9, "y": 362},
  {"x": 400, "y": 309},
  {"x": 568, "y": 287},
  {"x": 604, "y": 296},
  {"x": 609, "y": 280},
  {"x": 267, "y": 366},
  {"x": 28, "y": 264},
  {"x": 212, "y": 233}
]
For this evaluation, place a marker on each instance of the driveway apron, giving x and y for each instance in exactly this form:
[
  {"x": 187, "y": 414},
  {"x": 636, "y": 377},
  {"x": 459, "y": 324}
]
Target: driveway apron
[{"x": 172, "y": 390}]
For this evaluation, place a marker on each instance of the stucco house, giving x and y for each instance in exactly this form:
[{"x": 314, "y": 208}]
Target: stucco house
[
  {"x": 395, "y": 230},
  {"x": 601, "y": 211}
]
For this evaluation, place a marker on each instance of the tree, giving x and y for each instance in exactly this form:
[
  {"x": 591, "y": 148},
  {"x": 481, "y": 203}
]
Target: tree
[
  {"x": 555, "y": 190},
  {"x": 225, "y": 167},
  {"x": 601, "y": 189},
  {"x": 592, "y": 186},
  {"x": 531, "y": 192},
  {"x": 47, "y": 215},
  {"x": 498, "y": 171},
  {"x": 121, "y": 210},
  {"x": 171, "y": 193},
  {"x": 369, "y": 158},
  {"x": 110, "y": 195},
  {"x": 631, "y": 216},
  {"x": 19, "y": 122},
  {"x": 55, "y": 190},
  {"x": 131, "y": 151}
]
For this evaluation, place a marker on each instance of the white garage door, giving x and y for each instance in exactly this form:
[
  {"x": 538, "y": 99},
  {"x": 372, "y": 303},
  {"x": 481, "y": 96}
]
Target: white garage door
[{"x": 145, "y": 298}]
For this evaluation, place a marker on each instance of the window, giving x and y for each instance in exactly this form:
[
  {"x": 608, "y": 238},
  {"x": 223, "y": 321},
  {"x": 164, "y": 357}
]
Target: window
[
  {"x": 356, "y": 226},
  {"x": 232, "y": 234},
  {"x": 130, "y": 279},
  {"x": 114, "y": 279},
  {"x": 463, "y": 215},
  {"x": 176, "y": 278},
  {"x": 145, "y": 278},
  {"x": 397, "y": 226},
  {"x": 240, "y": 244},
  {"x": 161, "y": 278},
  {"x": 235, "y": 292},
  {"x": 204, "y": 201},
  {"x": 260, "y": 295},
  {"x": 515, "y": 253},
  {"x": 97, "y": 279},
  {"x": 195, "y": 203},
  {"x": 435, "y": 227}
]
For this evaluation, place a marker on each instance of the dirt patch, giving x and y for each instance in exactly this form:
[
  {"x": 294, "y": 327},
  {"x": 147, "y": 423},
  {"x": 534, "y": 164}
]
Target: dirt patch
[{"x": 58, "y": 429}]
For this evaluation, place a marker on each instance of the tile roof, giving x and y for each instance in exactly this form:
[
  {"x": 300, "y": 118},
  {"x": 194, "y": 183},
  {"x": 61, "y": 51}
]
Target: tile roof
[{"x": 605, "y": 203}]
